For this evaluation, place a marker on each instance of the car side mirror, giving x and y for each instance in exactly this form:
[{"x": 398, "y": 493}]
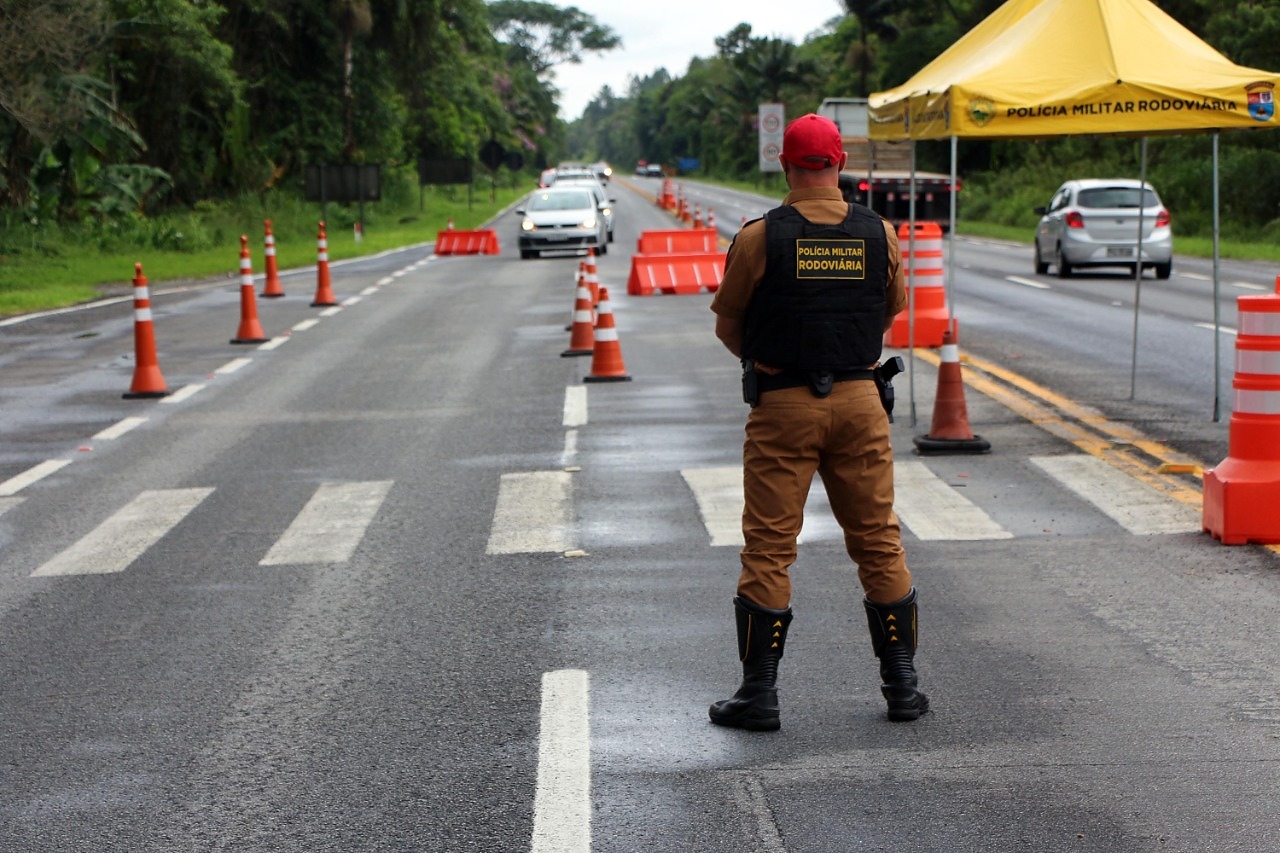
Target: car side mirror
[
  {"x": 1039, "y": 211},
  {"x": 613, "y": 201},
  {"x": 519, "y": 211}
]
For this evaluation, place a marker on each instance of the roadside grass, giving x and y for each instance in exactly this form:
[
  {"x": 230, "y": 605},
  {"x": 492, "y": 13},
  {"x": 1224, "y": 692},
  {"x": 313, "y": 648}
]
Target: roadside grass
[
  {"x": 52, "y": 267},
  {"x": 45, "y": 267}
]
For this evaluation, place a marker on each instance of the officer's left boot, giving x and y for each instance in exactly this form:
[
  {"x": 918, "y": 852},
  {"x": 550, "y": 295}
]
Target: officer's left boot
[
  {"x": 893, "y": 637},
  {"x": 762, "y": 634}
]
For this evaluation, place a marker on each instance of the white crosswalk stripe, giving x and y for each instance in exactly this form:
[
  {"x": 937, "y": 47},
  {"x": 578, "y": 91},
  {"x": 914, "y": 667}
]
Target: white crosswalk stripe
[
  {"x": 718, "y": 492},
  {"x": 123, "y": 537},
  {"x": 925, "y": 504},
  {"x": 932, "y": 510},
  {"x": 533, "y": 514},
  {"x": 331, "y": 525},
  {"x": 1133, "y": 505}
]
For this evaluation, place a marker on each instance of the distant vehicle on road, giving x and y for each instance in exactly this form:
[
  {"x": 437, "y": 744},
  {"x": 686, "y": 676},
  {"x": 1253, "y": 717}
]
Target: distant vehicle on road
[
  {"x": 588, "y": 180},
  {"x": 561, "y": 219},
  {"x": 1094, "y": 223}
]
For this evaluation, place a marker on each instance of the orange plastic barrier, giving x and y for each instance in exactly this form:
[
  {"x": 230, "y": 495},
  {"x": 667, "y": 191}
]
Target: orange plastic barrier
[
  {"x": 679, "y": 273},
  {"x": 677, "y": 240},
  {"x": 482, "y": 242},
  {"x": 1242, "y": 494},
  {"x": 926, "y": 289}
]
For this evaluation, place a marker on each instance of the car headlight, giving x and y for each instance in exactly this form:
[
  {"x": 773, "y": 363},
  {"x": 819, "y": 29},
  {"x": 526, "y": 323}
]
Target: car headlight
[
  {"x": 589, "y": 222},
  {"x": 527, "y": 225},
  {"x": 608, "y": 211}
]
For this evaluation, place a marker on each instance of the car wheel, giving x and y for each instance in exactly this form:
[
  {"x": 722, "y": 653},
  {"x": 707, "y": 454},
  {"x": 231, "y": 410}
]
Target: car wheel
[
  {"x": 1041, "y": 266},
  {"x": 1064, "y": 268},
  {"x": 611, "y": 236},
  {"x": 1163, "y": 270},
  {"x": 602, "y": 248},
  {"x": 526, "y": 254}
]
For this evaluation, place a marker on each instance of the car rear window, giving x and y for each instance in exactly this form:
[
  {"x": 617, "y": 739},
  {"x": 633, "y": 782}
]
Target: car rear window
[{"x": 1113, "y": 197}]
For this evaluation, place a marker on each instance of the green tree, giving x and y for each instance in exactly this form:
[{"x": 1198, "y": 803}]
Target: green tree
[
  {"x": 874, "y": 19},
  {"x": 178, "y": 82},
  {"x": 52, "y": 92},
  {"x": 545, "y": 35},
  {"x": 354, "y": 18}
]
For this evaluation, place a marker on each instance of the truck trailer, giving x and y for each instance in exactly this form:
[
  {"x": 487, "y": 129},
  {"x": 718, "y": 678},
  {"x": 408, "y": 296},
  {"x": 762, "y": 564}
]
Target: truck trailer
[{"x": 878, "y": 173}]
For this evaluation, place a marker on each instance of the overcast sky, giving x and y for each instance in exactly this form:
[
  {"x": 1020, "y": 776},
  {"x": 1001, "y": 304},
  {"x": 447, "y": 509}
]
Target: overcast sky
[{"x": 668, "y": 33}]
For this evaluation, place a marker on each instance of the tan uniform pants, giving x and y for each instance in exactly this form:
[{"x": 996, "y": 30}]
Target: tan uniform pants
[{"x": 844, "y": 437}]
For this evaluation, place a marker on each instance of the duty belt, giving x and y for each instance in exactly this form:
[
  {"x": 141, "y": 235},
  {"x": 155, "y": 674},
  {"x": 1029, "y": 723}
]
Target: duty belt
[{"x": 818, "y": 381}]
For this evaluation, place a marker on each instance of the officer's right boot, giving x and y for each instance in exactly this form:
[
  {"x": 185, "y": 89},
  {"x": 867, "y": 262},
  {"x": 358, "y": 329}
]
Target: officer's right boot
[
  {"x": 762, "y": 634},
  {"x": 893, "y": 637}
]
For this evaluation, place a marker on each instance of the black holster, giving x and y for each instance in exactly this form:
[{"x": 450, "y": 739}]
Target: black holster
[
  {"x": 750, "y": 385},
  {"x": 884, "y": 374}
]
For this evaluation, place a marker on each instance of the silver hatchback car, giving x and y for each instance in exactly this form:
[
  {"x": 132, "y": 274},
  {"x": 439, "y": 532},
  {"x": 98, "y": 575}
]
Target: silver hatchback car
[
  {"x": 558, "y": 218},
  {"x": 1094, "y": 223}
]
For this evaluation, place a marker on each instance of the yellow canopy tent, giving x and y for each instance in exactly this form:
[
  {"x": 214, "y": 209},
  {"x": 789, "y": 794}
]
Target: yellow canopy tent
[
  {"x": 1039, "y": 68},
  {"x": 1044, "y": 68}
]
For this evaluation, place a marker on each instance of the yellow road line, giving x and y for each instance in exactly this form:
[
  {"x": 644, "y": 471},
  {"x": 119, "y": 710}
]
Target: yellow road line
[
  {"x": 1079, "y": 425},
  {"x": 1086, "y": 428}
]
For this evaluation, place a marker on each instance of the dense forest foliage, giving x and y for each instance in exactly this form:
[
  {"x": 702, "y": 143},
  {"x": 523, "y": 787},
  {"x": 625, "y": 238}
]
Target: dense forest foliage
[
  {"x": 708, "y": 112},
  {"x": 134, "y": 108},
  {"x": 121, "y": 106}
]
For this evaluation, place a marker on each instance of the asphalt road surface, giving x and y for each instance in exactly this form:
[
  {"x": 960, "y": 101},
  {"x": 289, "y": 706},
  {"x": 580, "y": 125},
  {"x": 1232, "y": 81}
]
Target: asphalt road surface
[{"x": 400, "y": 580}]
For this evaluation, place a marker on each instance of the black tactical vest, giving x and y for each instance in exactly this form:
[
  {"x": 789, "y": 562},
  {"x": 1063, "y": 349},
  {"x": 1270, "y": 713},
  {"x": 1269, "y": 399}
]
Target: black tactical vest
[{"x": 821, "y": 303}]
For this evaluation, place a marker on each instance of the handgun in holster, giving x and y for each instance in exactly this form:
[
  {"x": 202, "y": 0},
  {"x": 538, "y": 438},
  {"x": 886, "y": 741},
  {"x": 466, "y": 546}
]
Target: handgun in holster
[
  {"x": 884, "y": 373},
  {"x": 750, "y": 387}
]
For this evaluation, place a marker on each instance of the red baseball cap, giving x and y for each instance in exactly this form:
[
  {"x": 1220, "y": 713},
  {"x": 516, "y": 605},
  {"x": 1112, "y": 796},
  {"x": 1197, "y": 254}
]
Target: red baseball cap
[{"x": 812, "y": 142}]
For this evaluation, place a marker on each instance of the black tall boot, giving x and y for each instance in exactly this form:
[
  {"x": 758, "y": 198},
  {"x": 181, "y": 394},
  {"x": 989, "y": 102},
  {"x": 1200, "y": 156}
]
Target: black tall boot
[
  {"x": 762, "y": 633},
  {"x": 893, "y": 636}
]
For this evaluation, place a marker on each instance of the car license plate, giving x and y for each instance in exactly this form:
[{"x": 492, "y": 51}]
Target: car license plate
[
  {"x": 552, "y": 238},
  {"x": 1119, "y": 251}
]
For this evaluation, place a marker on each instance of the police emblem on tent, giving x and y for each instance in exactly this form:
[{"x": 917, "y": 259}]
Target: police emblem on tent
[{"x": 1262, "y": 105}]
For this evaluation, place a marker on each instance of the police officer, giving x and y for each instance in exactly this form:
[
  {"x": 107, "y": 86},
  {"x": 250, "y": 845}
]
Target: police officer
[{"x": 807, "y": 294}]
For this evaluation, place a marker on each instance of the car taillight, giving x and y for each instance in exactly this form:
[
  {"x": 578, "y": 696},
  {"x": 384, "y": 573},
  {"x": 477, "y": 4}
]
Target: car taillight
[
  {"x": 1162, "y": 218},
  {"x": 1074, "y": 219}
]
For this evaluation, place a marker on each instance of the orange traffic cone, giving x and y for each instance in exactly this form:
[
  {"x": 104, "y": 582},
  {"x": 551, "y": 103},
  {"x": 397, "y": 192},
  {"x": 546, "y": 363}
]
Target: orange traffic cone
[
  {"x": 591, "y": 277},
  {"x": 271, "y": 288},
  {"x": 324, "y": 292},
  {"x": 579, "y": 281},
  {"x": 449, "y": 227},
  {"x": 606, "y": 356},
  {"x": 250, "y": 331},
  {"x": 583, "y": 338},
  {"x": 950, "y": 431},
  {"x": 1242, "y": 493},
  {"x": 697, "y": 214},
  {"x": 147, "y": 381},
  {"x": 711, "y": 217}
]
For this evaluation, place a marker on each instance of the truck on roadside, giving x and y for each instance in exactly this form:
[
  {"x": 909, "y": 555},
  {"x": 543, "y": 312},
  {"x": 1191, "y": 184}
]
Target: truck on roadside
[{"x": 878, "y": 173}]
